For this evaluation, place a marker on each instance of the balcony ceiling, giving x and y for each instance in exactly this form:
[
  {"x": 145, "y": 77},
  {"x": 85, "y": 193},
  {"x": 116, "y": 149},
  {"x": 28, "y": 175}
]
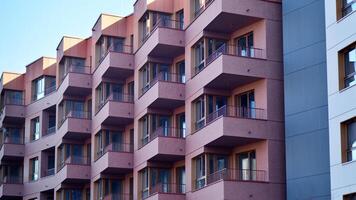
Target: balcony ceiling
[{"x": 228, "y": 23}]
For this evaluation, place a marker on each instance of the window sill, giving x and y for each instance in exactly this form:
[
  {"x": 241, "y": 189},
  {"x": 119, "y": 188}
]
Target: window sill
[
  {"x": 348, "y": 162},
  {"x": 344, "y": 17},
  {"x": 346, "y": 88}
]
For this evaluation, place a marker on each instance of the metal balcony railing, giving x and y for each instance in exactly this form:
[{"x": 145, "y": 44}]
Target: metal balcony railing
[
  {"x": 163, "y": 132},
  {"x": 168, "y": 188},
  {"x": 232, "y": 111},
  {"x": 163, "y": 76},
  {"x": 232, "y": 50},
  {"x": 116, "y": 97},
  {"x": 231, "y": 175},
  {"x": 74, "y": 160},
  {"x": 75, "y": 114},
  {"x": 49, "y": 172},
  {"x": 11, "y": 180},
  {"x": 115, "y": 147},
  {"x": 202, "y": 8},
  {"x": 163, "y": 23}
]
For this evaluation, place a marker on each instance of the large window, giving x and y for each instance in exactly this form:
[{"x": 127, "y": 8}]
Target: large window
[
  {"x": 38, "y": 86},
  {"x": 348, "y": 6},
  {"x": 199, "y": 113},
  {"x": 34, "y": 169},
  {"x": 109, "y": 187},
  {"x": 348, "y": 131},
  {"x": 349, "y": 65},
  {"x": 35, "y": 129},
  {"x": 154, "y": 125},
  {"x": 145, "y": 183},
  {"x": 198, "y": 50},
  {"x": 244, "y": 45},
  {"x": 109, "y": 141},
  {"x": 200, "y": 171},
  {"x": 246, "y": 104},
  {"x": 247, "y": 167}
]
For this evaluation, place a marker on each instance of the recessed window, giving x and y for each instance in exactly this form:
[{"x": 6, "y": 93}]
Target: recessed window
[
  {"x": 348, "y": 6},
  {"x": 347, "y": 67},
  {"x": 35, "y": 129},
  {"x": 34, "y": 169},
  {"x": 348, "y": 137}
]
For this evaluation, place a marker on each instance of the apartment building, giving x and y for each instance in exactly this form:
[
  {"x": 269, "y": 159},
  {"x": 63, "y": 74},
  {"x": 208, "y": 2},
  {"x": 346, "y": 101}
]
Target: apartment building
[
  {"x": 340, "y": 23},
  {"x": 179, "y": 100}
]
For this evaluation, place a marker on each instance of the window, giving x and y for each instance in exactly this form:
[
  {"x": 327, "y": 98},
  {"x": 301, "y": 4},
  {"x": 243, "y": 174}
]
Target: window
[
  {"x": 72, "y": 194},
  {"x": 14, "y": 97},
  {"x": 35, "y": 129},
  {"x": 38, "y": 87},
  {"x": 181, "y": 125},
  {"x": 247, "y": 165},
  {"x": 200, "y": 171},
  {"x": 200, "y": 113},
  {"x": 34, "y": 169},
  {"x": 348, "y": 137},
  {"x": 350, "y": 196},
  {"x": 145, "y": 183},
  {"x": 145, "y": 132},
  {"x": 348, "y": 66},
  {"x": 71, "y": 64},
  {"x": 131, "y": 90},
  {"x": 216, "y": 45},
  {"x": 180, "y": 68},
  {"x": 348, "y": 6},
  {"x": 199, "y": 56},
  {"x": 244, "y": 45},
  {"x": 246, "y": 105},
  {"x": 181, "y": 179},
  {"x": 180, "y": 20},
  {"x": 198, "y": 7}
]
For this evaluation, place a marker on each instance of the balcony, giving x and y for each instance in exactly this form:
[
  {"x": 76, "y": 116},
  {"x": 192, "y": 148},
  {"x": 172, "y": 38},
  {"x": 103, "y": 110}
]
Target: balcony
[
  {"x": 75, "y": 125},
  {"x": 117, "y": 63},
  {"x": 12, "y": 148},
  {"x": 232, "y": 184},
  {"x": 74, "y": 169},
  {"x": 165, "y": 144},
  {"x": 116, "y": 158},
  {"x": 13, "y": 111},
  {"x": 226, "y": 16},
  {"x": 11, "y": 187},
  {"x": 229, "y": 67},
  {"x": 166, "y": 39},
  {"x": 231, "y": 126},
  {"x": 165, "y": 191},
  {"x": 117, "y": 109},
  {"x": 166, "y": 91},
  {"x": 76, "y": 81}
]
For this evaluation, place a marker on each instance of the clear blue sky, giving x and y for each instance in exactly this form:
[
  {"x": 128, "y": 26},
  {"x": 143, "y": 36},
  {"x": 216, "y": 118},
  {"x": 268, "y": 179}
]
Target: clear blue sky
[{"x": 33, "y": 28}]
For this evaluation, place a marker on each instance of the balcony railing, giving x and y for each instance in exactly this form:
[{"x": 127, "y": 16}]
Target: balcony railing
[
  {"x": 232, "y": 175},
  {"x": 117, "y": 197},
  {"x": 49, "y": 172},
  {"x": 75, "y": 69},
  {"x": 232, "y": 111},
  {"x": 166, "y": 77},
  {"x": 168, "y": 188},
  {"x": 115, "y": 147},
  {"x": 11, "y": 101},
  {"x": 11, "y": 180},
  {"x": 116, "y": 97},
  {"x": 163, "y": 132},
  {"x": 12, "y": 139},
  {"x": 74, "y": 160},
  {"x": 163, "y": 23},
  {"x": 120, "y": 48},
  {"x": 75, "y": 114},
  {"x": 200, "y": 10},
  {"x": 349, "y": 7},
  {"x": 50, "y": 130},
  {"x": 229, "y": 50},
  {"x": 237, "y": 175}
]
